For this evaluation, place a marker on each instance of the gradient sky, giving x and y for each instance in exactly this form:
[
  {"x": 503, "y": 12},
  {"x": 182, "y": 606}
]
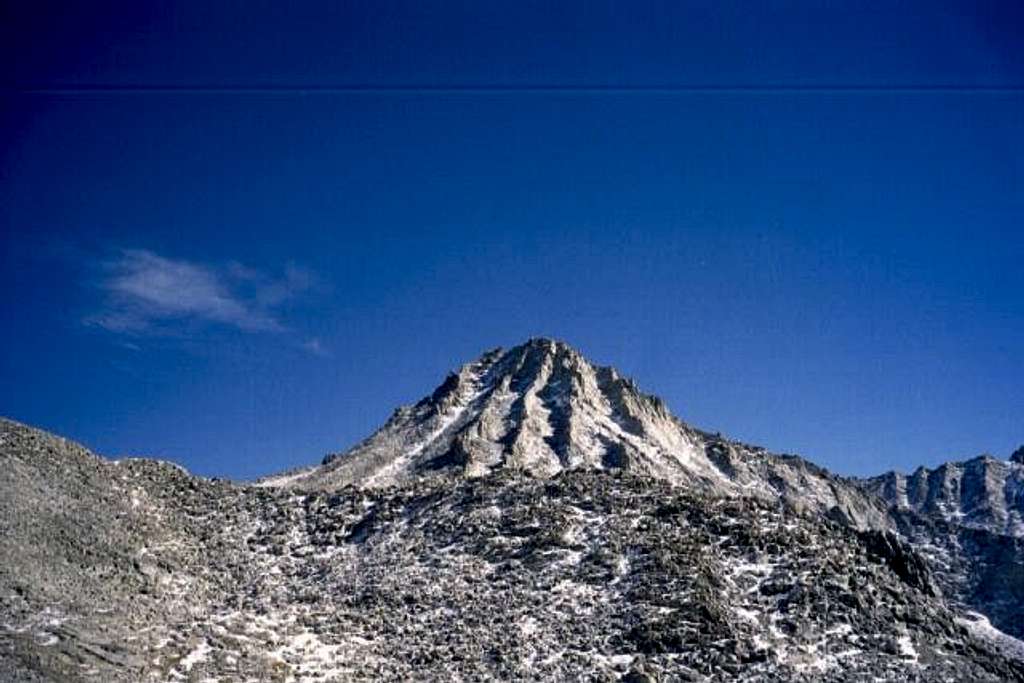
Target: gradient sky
[{"x": 799, "y": 223}]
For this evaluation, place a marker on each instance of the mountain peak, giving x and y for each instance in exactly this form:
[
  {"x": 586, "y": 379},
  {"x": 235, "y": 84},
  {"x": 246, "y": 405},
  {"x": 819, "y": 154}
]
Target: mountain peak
[
  {"x": 541, "y": 408},
  {"x": 549, "y": 344},
  {"x": 1018, "y": 456}
]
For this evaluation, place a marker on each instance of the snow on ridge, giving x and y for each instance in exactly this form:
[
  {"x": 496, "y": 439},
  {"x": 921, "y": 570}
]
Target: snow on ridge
[
  {"x": 981, "y": 627},
  {"x": 283, "y": 479}
]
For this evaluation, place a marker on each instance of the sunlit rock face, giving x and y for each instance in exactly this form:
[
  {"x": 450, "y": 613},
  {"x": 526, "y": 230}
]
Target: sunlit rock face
[
  {"x": 539, "y": 409},
  {"x": 981, "y": 493},
  {"x": 542, "y": 408}
]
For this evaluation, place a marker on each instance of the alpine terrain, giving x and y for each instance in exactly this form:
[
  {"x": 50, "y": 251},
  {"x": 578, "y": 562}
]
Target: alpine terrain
[
  {"x": 535, "y": 517},
  {"x": 967, "y": 519}
]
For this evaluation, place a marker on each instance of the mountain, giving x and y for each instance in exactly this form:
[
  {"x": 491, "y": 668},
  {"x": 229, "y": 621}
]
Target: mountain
[
  {"x": 536, "y": 517},
  {"x": 136, "y": 571},
  {"x": 541, "y": 408},
  {"x": 982, "y": 493},
  {"x": 967, "y": 519}
]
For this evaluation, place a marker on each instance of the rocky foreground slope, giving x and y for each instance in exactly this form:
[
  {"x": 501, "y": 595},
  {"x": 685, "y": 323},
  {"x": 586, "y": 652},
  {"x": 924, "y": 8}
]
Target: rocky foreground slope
[
  {"x": 535, "y": 518},
  {"x": 137, "y": 571}
]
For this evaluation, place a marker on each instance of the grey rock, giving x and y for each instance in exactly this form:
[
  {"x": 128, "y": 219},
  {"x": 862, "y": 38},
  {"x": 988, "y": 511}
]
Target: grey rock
[
  {"x": 967, "y": 520},
  {"x": 536, "y": 517}
]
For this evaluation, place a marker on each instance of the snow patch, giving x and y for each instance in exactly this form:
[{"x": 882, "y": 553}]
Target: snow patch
[{"x": 981, "y": 627}]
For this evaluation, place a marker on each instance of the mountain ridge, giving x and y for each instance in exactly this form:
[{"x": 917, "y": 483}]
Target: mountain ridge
[{"x": 981, "y": 492}]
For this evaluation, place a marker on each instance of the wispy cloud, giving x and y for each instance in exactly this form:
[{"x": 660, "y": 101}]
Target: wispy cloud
[
  {"x": 315, "y": 347},
  {"x": 145, "y": 292}
]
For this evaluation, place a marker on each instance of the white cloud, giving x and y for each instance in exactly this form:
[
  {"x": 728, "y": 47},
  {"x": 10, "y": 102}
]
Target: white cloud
[
  {"x": 146, "y": 292},
  {"x": 315, "y": 347}
]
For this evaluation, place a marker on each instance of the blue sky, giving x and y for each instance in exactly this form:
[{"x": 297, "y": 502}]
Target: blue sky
[{"x": 805, "y": 233}]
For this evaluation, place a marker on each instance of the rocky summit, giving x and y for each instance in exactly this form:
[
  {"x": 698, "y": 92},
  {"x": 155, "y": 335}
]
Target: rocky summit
[
  {"x": 536, "y": 517},
  {"x": 541, "y": 408}
]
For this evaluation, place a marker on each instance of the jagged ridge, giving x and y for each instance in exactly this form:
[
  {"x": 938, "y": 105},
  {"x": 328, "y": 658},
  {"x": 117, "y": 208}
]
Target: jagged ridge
[{"x": 981, "y": 493}]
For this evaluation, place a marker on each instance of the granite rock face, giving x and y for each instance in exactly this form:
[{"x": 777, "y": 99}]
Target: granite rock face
[
  {"x": 542, "y": 408},
  {"x": 982, "y": 493}
]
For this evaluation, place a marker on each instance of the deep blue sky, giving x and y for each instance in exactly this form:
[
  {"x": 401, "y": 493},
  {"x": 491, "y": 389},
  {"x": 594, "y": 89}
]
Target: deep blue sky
[{"x": 242, "y": 279}]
